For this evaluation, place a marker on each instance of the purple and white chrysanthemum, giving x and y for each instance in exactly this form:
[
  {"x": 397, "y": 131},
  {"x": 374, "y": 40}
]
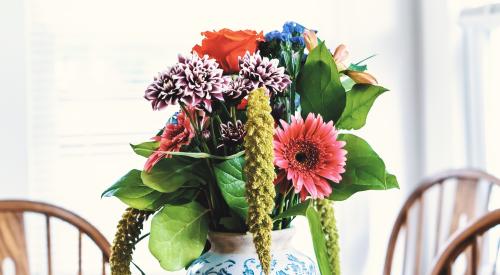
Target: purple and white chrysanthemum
[
  {"x": 232, "y": 134},
  {"x": 238, "y": 88},
  {"x": 163, "y": 91},
  {"x": 195, "y": 81},
  {"x": 200, "y": 81},
  {"x": 263, "y": 72}
]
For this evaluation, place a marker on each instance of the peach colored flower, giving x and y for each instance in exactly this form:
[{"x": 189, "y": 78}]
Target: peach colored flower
[
  {"x": 361, "y": 77},
  {"x": 310, "y": 39}
]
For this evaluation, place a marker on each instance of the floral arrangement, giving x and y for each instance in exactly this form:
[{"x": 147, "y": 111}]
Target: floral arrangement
[{"x": 260, "y": 137}]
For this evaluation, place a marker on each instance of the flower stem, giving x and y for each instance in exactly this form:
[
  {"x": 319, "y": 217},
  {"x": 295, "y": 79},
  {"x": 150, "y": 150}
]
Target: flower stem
[
  {"x": 292, "y": 98},
  {"x": 212, "y": 133},
  {"x": 233, "y": 114}
]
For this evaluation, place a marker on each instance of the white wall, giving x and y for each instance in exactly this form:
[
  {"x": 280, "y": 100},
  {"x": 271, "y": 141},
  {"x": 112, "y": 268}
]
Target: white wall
[{"x": 13, "y": 103}]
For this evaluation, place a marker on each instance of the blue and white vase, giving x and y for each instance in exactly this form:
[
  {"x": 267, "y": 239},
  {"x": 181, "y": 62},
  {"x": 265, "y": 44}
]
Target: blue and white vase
[{"x": 234, "y": 254}]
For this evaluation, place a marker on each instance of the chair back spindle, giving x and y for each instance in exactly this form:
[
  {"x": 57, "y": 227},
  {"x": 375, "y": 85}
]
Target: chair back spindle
[
  {"x": 469, "y": 200},
  {"x": 462, "y": 240},
  {"x": 13, "y": 240}
]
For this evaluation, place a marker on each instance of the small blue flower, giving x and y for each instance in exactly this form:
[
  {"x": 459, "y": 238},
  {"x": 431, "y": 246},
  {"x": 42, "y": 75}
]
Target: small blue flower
[
  {"x": 173, "y": 119},
  {"x": 293, "y": 28},
  {"x": 277, "y": 35},
  {"x": 298, "y": 41}
]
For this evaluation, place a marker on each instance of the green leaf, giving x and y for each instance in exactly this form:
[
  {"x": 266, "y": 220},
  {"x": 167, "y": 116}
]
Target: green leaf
[
  {"x": 319, "y": 85},
  {"x": 131, "y": 191},
  {"x": 359, "y": 101},
  {"x": 231, "y": 181},
  {"x": 178, "y": 235},
  {"x": 391, "y": 181},
  {"x": 170, "y": 174},
  {"x": 347, "y": 83},
  {"x": 365, "y": 170},
  {"x": 145, "y": 149},
  {"x": 319, "y": 242},
  {"x": 296, "y": 210}
]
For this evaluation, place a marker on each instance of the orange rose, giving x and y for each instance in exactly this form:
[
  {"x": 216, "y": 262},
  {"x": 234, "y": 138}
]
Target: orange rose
[{"x": 226, "y": 46}]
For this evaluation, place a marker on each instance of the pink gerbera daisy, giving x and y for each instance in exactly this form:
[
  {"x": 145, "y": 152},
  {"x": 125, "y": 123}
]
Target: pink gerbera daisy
[{"x": 310, "y": 154}]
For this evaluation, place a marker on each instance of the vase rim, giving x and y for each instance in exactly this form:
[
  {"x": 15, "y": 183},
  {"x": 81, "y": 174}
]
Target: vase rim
[
  {"x": 235, "y": 243},
  {"x": 290, "y": 230}
]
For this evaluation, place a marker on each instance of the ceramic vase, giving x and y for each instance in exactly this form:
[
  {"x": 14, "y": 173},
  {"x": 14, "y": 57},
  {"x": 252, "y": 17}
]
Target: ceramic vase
[{"x": 234, "y": 254}]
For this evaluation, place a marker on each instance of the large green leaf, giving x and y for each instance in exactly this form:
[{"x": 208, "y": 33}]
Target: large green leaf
[
  {"x": 319, "y": 242},
  {"x": 359, "y": 101},
  {"x": 131, "y": 191},
  {"x": 178, "y": 235},
  {"x": 319, "y": 85},
  {"x": 170, "y": 174},
  {"x": 365, "y": 170},
  {"x": 231, "y": 181},
  {"x": 296, "y": 210},
  {"x": 145, "y": 149}
]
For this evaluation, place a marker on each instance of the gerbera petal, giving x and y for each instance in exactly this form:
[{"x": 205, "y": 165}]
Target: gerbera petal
[{"x": 311, "y": 154}]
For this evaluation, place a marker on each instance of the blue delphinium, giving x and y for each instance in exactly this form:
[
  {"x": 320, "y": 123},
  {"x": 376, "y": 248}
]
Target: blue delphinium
[
  {"x": 294, "y": 28},
  {"x": 292, "y": 32},
  {"x": 298, "y": 41},
  {"x": 279, "y": 36}
]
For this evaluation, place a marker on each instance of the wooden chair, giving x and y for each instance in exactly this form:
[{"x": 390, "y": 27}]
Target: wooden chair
[
  {"x": 461, "y": 240},
  {"x": 12, "y": 234},
  {"x": 467, "y": 183}
]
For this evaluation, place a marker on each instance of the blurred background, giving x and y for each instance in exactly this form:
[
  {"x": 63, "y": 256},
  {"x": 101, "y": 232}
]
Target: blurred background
[{"x": 73, "y": 73}]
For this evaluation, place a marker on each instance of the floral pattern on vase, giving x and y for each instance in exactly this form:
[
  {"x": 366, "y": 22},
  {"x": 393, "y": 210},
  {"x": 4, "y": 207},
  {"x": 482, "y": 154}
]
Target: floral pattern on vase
[{"x": 234, "y": 254}]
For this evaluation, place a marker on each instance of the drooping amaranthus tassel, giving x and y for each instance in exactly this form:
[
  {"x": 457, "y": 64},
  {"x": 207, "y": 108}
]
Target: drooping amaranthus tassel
[
  {"x": 329, "y": 226},
  {"x": 259, "y": 171},
  {"x": 127, "y": 234}
]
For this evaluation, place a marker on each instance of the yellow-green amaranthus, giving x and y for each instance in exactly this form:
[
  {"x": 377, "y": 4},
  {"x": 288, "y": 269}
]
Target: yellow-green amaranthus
[
  {"x": 127, "y": 234},
  {"x": 329, "y": 226},
  {"x": 260, "y": 175}
]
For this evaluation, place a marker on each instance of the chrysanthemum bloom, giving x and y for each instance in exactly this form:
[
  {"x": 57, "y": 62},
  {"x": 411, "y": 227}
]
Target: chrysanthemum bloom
[
  {"x": 163, "y": 91},
  {"x": 238, "y": 89},
  {"x": 174, "y": 136},
  {"x": 263, "y": 72},
  {"x": 232, "y": 134},
  {"x": 310, "y": 154},
  {"x": 200, "y": 81}
]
